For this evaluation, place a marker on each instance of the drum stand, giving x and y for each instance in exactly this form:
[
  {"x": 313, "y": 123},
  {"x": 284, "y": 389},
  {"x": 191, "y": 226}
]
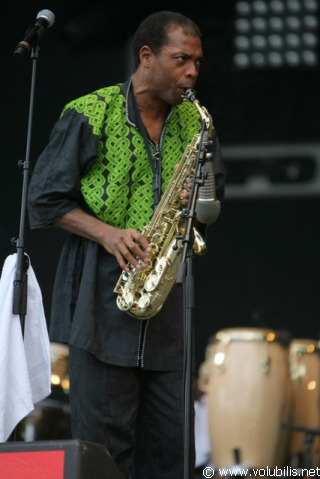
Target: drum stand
[{"x": 309, "y": 434}]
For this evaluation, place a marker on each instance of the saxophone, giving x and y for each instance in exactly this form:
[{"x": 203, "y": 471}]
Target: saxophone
[{"x": 142, "y": 293}]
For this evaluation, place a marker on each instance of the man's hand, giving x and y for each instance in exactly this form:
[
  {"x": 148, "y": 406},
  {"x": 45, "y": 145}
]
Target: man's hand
[
  {"x": 185, "y": 193},
  {"x": 127, "y": 245}
]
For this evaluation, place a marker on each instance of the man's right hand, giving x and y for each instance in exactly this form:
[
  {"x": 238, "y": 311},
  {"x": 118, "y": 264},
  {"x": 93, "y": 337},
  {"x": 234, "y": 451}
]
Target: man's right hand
[{"x": 127, "y": 245}]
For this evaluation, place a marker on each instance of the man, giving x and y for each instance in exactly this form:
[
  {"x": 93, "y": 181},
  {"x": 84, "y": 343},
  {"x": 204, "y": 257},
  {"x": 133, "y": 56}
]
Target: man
[{"x": 95, "y": 180}]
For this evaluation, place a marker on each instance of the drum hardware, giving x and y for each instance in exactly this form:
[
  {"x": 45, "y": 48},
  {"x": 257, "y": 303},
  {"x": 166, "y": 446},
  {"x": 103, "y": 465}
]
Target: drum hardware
[
  {"x": 220, "y": 361},
  {"x": 237, "y": 468},
  {"x": 298, "y": 370},
  {"x": 309, "y": 434},
  {"x": 265, "y": 364},
  {"x": 225, "y": 336},
  {"x": 236, "y": 454}
]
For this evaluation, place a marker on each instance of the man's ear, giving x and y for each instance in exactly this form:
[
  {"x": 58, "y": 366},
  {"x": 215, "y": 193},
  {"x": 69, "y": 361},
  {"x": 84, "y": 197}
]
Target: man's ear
[{"x": 145, "y": 56}]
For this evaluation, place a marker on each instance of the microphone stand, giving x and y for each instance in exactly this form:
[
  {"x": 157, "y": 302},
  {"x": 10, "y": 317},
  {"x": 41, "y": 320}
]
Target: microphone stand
[
  {"x": 185, "y": 277},
  {"x": 20, "y": 284}
]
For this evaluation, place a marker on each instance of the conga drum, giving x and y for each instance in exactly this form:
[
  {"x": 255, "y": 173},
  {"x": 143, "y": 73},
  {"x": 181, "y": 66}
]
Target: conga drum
[
  {"x": 248, "y": 398},
  {"x": 59, "y": 359},
  {"x": 305, "y": 400}
]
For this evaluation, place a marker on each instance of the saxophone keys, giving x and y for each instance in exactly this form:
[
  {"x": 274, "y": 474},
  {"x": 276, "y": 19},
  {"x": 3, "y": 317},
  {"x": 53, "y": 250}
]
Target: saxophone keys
[
  {"x": 161, "y": 265},
  {"x": 153, "y": 279},
  {"x": 125, "y": 302},
  {"x": 151, "y": 282},
  {"x": 144, "y": 301}
]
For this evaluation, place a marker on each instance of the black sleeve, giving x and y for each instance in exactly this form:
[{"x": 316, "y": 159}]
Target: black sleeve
[{"x": 54, "y": 189}]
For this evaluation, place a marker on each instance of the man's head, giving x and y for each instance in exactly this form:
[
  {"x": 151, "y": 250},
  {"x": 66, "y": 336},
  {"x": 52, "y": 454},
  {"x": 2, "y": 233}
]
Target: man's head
[
  {"x": 168, "y": 55},
  {"x": 153, "y": 30}
]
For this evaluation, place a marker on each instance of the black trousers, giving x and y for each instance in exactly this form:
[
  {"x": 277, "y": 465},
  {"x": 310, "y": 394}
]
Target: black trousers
[{"x": 137, "y": 414}]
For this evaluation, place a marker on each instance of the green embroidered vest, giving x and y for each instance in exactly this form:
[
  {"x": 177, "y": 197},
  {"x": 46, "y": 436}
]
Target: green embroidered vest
[{"x": 118, "y": 187}]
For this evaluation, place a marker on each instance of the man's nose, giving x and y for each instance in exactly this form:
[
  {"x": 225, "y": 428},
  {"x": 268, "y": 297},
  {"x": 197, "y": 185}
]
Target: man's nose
[{"x": 192, "y": 70}]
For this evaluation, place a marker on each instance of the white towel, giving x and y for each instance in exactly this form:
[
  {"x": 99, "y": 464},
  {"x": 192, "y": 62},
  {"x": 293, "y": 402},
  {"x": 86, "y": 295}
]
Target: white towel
[
  {"x": 25, "y": 367},
  {"x": 201, "y": 426}
]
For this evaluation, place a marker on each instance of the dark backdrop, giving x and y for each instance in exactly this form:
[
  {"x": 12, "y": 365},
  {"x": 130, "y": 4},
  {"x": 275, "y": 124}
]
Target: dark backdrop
[{"x": 262, "y": 267}]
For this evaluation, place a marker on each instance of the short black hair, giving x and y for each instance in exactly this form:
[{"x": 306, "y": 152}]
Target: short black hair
[{"x": 152, "y": 31}]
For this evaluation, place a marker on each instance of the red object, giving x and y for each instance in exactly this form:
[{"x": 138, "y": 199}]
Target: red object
[{"x": 32, "y": 465}]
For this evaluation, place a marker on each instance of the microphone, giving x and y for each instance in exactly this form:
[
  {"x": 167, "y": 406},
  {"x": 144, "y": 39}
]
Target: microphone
[
  {"x": 45, "y": 19},
  {"x": 207, "y": 206}
]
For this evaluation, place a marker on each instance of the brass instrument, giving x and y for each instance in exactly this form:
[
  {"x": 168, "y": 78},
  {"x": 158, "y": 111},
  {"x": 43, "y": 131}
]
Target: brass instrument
[{"x": 142, "y": 293}]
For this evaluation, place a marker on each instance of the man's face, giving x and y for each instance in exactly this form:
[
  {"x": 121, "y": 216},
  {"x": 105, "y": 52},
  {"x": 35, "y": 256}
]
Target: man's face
[{"x": 176, "y": 67}]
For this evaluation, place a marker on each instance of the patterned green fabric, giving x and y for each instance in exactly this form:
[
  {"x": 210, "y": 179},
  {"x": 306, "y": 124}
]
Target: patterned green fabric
[{"x": 118, "y": 187}]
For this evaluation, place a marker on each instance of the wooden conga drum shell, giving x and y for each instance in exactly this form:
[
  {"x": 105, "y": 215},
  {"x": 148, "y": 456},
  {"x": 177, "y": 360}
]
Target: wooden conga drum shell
[
  {"x": 305, "y": 397},
  {"x": 248, "y": 398}
]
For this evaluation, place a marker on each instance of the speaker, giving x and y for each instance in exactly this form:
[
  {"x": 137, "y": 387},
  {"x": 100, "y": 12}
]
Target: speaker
[{"x": 67, "y": 459}]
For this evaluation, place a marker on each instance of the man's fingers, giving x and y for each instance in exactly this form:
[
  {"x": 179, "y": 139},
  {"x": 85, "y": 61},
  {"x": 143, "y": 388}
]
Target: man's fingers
[{"x": 133, "y": 249}]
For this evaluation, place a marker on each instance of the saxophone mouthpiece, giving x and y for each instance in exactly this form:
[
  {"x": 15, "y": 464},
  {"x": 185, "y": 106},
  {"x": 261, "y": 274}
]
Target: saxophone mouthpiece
[{"x": 190, "y": 95}]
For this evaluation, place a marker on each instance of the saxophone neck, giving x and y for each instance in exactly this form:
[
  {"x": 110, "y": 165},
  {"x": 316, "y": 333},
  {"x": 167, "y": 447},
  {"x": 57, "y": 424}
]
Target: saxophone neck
[
  {"x": 190, "y": 95},
  {"x": 206, "y": 118}
]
